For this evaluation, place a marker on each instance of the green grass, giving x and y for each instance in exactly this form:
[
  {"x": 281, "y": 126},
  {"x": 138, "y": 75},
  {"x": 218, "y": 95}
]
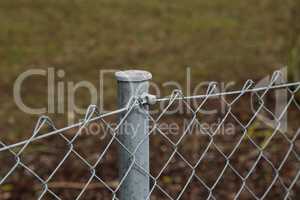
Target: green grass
[{"x": 221, "y": 40}]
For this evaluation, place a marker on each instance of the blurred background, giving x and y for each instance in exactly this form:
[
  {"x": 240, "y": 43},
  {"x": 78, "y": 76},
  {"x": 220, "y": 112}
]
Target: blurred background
[{"x": 219, "y": 40}]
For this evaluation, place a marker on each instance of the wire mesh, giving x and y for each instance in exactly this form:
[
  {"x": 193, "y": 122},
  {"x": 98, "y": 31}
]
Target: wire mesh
[{"x": 194, "y": 154}]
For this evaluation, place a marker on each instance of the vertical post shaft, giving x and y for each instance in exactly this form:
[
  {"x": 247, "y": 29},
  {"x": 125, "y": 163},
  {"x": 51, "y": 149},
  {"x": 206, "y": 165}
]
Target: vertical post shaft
[{"x": 132, "y": 132}]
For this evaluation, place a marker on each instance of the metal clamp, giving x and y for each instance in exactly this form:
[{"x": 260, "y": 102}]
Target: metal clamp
[{"x": 146, "y": 98}]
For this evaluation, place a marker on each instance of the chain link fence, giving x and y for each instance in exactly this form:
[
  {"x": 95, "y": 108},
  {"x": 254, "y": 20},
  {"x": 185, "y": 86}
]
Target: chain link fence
[{"x": 241, "y": 144}]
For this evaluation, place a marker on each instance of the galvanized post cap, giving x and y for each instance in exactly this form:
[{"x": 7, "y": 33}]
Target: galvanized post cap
[{"x": 133, "y": 75}]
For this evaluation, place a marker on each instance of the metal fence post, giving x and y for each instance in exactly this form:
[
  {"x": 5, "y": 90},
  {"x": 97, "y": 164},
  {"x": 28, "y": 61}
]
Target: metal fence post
[{"x": 133, "y": 130}]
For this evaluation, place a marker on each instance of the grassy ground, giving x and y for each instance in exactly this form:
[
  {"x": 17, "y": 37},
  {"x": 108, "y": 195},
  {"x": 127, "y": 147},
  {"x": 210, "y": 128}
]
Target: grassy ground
[{"x": 219, "y": 40}]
